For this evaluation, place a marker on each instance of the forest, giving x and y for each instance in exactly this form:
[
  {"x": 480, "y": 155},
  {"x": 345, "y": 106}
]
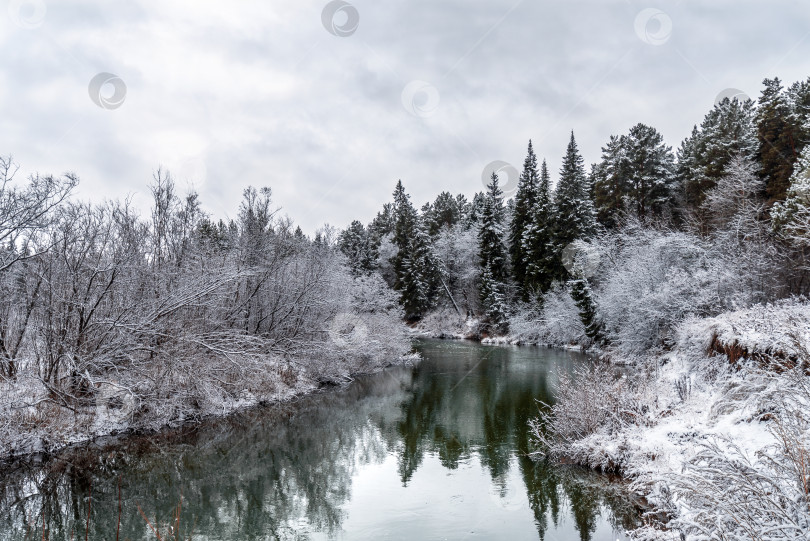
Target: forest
[{"x": 641, "y": 240}]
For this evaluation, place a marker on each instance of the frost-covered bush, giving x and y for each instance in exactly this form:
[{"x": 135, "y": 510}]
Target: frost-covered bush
[
  {"x": 657, "y": 279},
  {"x": 593, "y": 401},
  {"x": 555, "y": 322},
  {"x": 111, "y": 321},
  {"x": 447, "y": 323}
]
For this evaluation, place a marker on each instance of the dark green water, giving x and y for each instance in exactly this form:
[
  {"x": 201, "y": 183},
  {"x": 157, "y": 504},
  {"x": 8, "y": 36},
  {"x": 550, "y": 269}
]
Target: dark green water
[{"x": 432, "y": 452}]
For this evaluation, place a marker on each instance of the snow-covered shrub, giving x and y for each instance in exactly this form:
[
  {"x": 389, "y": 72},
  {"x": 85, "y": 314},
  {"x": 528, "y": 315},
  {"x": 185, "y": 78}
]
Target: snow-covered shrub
[
  {"x": 447, "y": 323},
  {"x": 592, "y": 402},
  {"x": 658, "y": 279},
  {"x": 734, "y": 488},
  {"x": 555, "y": 322}
]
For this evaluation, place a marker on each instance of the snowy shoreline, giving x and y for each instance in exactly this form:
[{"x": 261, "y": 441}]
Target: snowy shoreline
[
  {"x": 724, "y": 405},
  {"x": 102, "y": 421}
]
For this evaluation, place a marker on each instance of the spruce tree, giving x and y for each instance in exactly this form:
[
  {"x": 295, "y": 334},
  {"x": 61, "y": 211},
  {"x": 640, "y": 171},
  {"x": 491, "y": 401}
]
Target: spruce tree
[
  {"x": 583, "y": 297},
  {"x": 492, "y": 255},
  {"x": 574, "y": 214},
  {"x": 537, "y": 241},
  {"x": 412, "y": 264},
  {"x": 524, "y": 203}
]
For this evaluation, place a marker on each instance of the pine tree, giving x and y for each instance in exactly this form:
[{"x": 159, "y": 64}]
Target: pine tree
[
  {"x": 650, "y": 170},
  {"x": 445, "y": 211},
  {"x": 492, "y": 254},
  {"x": 476, "y": 209},
  {"x": 524, "y": 203},
  {"x": 636, "y": 175},
  {"x": 727, "y": 130},
  {"x": 538, "y": 239},
  {"x": 574, "y": 214},
  {"x": 778, "y": 134}
]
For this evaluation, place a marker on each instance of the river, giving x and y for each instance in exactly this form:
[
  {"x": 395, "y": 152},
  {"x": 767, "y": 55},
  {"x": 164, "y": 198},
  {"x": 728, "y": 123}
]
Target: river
[{"x": 434, "y": 451}]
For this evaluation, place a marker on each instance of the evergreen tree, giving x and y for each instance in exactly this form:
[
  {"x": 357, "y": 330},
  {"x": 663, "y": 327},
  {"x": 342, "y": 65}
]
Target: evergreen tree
[
  {"x": 778, "y": 132},
  {"x": 492, "y": 254},
  {"x": 414, "y": 270},
  {"x": 799, "y": 97},
  {"x": 636, "y": 175},
  {"x": 445, "y": 211},
  {"x": 524, "y": 203},
  {"x": 727, "y": 130},
  {"x": 356, "y": 245},
  {"x": 476, "y": 209},
  {"x": 650, "y": 170},
  {"x": 574, "y": 214},
  {"x": 791, "y": 217},
  {"x": 610, "y": 182},
  {"x": 538, "y": 238},
  {"x": 583, "y": 297}
]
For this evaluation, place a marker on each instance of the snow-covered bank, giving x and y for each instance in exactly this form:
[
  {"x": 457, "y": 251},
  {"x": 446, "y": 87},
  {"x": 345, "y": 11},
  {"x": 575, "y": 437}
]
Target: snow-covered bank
[
  {"x": 32, "y": 422},
  {"x": 715, "y": 433}
]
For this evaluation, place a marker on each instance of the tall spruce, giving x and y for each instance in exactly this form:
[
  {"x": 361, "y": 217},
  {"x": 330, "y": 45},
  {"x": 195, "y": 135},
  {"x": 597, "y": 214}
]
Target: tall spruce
[
  {"x": 492, "y": 255},
  {"x": 525, "y": 198},
  {"x": 574, "y": 213},
  {"x": 414, "y": 270},
  {"x": 537, "y": 241}
]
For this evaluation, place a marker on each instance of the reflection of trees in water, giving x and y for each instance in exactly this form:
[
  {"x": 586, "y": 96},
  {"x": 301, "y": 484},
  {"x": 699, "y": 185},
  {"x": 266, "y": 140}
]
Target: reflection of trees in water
[
  {"x": 484, "y": 408},
  {"x": 285, "y": 470},
  {"x": 271, "y": 473}
]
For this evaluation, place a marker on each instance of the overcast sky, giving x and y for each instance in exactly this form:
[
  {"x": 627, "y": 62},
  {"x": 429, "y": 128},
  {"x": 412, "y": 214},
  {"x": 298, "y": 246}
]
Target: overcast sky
[{"x": 330, "y": 111}]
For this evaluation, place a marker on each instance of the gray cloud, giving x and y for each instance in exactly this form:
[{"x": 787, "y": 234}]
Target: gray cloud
[{"x": 260, "y": 93}]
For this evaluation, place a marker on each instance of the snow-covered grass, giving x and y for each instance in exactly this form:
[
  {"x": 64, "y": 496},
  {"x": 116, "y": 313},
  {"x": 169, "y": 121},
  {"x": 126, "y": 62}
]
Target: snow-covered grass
[{"x": 718, "y": 444}]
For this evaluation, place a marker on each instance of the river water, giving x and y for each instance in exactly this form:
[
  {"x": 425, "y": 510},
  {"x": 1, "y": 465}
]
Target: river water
[{"x": 435, "y": 451}]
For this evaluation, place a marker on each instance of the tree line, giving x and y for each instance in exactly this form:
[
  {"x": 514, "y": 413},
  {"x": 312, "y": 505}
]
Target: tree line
[{"x": 488, "y": 257}]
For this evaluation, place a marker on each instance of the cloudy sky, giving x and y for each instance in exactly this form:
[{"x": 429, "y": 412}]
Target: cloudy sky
[{"x": 330, "y": 103}]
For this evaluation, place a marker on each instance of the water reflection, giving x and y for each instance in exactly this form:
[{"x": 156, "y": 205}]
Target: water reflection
[{"x": 452, "y": 431}]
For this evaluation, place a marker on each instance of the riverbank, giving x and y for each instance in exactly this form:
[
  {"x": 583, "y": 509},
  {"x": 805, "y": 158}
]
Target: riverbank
[
  {"x": 35, "y": 421},
  {"x": 726, "y": 407}
]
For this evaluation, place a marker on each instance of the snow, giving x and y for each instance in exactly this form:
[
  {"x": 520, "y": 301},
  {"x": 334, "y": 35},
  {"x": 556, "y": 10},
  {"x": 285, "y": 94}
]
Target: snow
[{"x": 736, "y": 417}]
